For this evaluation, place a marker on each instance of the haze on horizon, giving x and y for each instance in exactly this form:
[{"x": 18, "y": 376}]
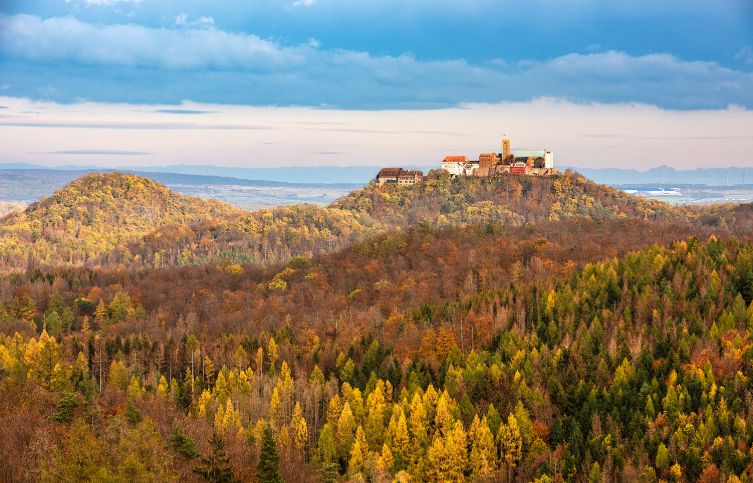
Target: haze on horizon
[{"x": 328, "y": 82}]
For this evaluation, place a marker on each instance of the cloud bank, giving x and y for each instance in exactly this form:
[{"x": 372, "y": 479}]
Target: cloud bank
[
  {"x": 586, "y": 135},
  {"x": 135, "y": 63}
]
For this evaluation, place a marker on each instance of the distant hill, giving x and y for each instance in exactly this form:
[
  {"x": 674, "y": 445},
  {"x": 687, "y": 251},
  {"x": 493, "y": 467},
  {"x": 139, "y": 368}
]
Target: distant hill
[
  {"x": 29, "y": 184},
  {"x": 94, "y": 214},
  {"x": 666, "y": 175},
  {"x": 285, "y": 174}
]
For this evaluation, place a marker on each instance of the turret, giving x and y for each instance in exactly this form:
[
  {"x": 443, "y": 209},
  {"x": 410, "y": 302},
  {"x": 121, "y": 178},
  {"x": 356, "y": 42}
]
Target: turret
[{"x": 505, "y": 149}]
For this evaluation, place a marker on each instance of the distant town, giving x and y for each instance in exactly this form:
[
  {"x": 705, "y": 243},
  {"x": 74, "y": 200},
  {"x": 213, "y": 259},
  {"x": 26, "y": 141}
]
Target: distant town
[{"x": 508, "y": 161}]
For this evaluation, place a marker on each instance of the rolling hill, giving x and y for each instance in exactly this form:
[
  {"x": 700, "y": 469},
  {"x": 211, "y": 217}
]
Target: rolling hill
[
  {"x": 94, "y": 214},
  {"x": 106, "y": 219}
]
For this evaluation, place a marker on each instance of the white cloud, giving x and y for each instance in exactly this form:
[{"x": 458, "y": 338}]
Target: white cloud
[
  {"x": 225, "y": 64},
  {"x": 69, "y": 39},
  {"x": 745, "y": 54},
  {"x": 586, "y": 135},
  {"x": 183, "y": 20},
  {"x": 304, "y": 3},
  {"x": 102, "y": 3}
]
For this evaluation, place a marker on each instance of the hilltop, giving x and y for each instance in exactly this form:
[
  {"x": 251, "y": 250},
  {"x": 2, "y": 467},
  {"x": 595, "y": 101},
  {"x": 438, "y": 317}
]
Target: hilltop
[
  {"x": 94, "y": 214},
  {"x": 507, "y": 199}
]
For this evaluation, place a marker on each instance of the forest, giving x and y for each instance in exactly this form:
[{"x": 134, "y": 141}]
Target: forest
[{"x": 505, "y": 329}]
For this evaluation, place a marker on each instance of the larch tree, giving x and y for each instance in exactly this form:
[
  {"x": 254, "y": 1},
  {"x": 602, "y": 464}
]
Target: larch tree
[
  {"x": 510, "y": 444},
  {"x": 483, "y": 451},
  {"x": 359, "y": 453}
]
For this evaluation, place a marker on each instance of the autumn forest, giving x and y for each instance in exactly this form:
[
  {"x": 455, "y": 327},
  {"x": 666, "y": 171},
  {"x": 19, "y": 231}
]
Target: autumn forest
[{"x": 485, "y": 329}]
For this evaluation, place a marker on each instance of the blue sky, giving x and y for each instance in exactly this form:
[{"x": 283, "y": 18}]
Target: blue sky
[
  {"x": 375, "y": 55},
  {"x": 190, "y": 81}
]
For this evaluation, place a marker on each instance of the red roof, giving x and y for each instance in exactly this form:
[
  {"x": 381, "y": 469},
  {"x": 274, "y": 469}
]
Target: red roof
[
  {"x": 455, "y": 159},
  {"x": 389, "y": 172}
]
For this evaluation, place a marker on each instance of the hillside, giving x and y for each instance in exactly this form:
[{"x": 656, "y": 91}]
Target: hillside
[
  {"x": 503, "y": 199},
  {"x": 94, "y": 214},
  {"x": 272, "y": 236},
  {"x": 106, "y": 219},
  {"x": 568, "y": 350}
]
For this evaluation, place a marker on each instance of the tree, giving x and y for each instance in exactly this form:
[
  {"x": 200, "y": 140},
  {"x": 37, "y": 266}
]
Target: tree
[
  {"x": 483, "y": 451},
  {"x": 216, "y": 467},
  {"x": 268, "y": 468},
  {"x": 81, "y": 457},
  {"x": 192, "y": 344},
  {"x": 447, "y": 456},
  {"x": 359, "y": 453},
  {"x": 300, "y": 429},
  {"x": 346, "y": 429},
  {"x": 183, "y": 443},
  {"x": 511, "y": 444}
]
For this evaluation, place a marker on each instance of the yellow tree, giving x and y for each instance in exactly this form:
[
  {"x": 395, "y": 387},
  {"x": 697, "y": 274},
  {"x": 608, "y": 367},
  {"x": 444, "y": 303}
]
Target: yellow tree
[
  {"x": 376, "y": 407},
  {"x": 299, "y": 429},
  {"x": 272, "y": 354},
  {"x": 443, "y": 417},
  {"x": 359, "y": 453},
  {"x": 419, "y": 436},
  {"x": 346, "y": 427},
  {"x": 447, "y": 455},
  {"x": 483, "y": 450},
  {"x": 510, "y": 444}
]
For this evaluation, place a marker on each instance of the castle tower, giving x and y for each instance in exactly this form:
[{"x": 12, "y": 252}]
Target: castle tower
[{"x": 505, "y": 148}]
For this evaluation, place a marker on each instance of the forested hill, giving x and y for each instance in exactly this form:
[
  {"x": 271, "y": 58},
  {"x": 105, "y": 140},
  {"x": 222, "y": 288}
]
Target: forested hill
[
  {"x": 615, "y": 344},
  {"x": 509, "y": 199},
  {"x": 94, "y": 214},
  {"x": 117, "y": 219},
  {"x": 274, "y": 236}
]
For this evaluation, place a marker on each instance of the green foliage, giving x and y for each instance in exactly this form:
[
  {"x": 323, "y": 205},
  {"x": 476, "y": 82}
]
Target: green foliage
[
  {"x": 183, "y": 443},
  {"x": 69, "y": 401},
  {"x": 132, "y": 413},
  {"x": 269, "y": 461},
  {"x": 215, "y": 467}
]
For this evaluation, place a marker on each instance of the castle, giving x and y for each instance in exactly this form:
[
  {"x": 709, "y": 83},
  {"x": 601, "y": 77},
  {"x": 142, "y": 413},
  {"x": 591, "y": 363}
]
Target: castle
[
  {"x": 527, "y": 162},
  {"x": 509, "y": 161}
]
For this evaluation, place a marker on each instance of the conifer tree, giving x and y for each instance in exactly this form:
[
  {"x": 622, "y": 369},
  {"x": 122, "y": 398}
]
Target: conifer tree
[
  {"x": 269, "y": 460},
  {"x": 483, "y": 450},
  {"x": 511, "y": 444},
  {"x": 346, "y": 430},
  {"x": 299, "y": 428},
  {"x": 359, "y": 453},
  {"x": 215, "y": 467}
]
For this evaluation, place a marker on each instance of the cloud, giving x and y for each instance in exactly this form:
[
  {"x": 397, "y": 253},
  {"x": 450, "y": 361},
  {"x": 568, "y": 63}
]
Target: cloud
[
  {"x": 98, "y": 152},
  {"x": 147, "y": 126},
  {"x": 184, "y": 21},
  {"x": 183, "y": 111},
  {"x": 304, "y": 3},
  {"x": 102, "y": 3},
  {"x": 580, "y": 134},
  {"x": 68, "y": 39},
  {"x": 745, "y": 54},
  {"x": 134, "y": 63}
]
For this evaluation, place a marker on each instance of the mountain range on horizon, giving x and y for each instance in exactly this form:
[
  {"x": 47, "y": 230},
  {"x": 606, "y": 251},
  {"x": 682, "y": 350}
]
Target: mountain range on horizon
[{"x": 352, "y": 175}]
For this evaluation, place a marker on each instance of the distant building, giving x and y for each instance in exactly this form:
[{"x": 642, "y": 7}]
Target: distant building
[
  {"x": 528, "y": 162},
  {"x": 455, "y": 165},
  {"x": 540, "y": 158},
  {"x": 399, "y": 176},
  {"x": 485, "y": 163}
]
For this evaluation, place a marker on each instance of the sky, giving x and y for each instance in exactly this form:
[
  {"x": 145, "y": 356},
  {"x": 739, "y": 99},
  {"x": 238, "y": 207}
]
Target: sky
[{"x": 333, "y": 82}]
